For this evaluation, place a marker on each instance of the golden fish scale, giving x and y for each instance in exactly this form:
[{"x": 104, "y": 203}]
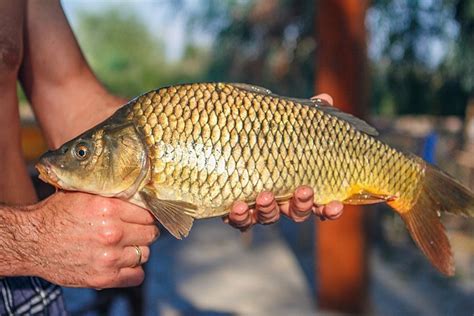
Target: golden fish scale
[{"x": 213, "y": 144}]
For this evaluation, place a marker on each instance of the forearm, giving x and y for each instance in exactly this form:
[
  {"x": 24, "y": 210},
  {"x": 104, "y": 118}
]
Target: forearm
[
  {"x": 65, "y": 94},
  {"x": 18, "y": 241},
  {"x": 15, "y": 184}
]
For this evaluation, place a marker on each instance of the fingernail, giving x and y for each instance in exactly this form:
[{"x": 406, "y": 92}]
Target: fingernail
[
  {"x": 304, "y": 194},
  {"x": 333, "y": 210},
  {"x": 268, "y": 209},
  {"x": 240, "y": 208},
  {"x": 265, "y": 199},
  {"x": 323, "y": 98},
  {"x": 240, "y": 214}
]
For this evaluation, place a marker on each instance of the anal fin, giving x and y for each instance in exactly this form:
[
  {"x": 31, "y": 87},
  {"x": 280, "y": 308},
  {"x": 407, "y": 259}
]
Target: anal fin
[
  {"x": 429, "y": 234},
  {"x": 439, "y": 193},
  {"x": 175, "y": 216}
]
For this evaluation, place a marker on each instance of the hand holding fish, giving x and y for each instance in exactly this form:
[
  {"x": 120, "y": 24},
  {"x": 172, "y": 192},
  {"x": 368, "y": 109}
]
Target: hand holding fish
[
  {"x": 91, "y": 241},
  {"x": 267, "y": 210}
]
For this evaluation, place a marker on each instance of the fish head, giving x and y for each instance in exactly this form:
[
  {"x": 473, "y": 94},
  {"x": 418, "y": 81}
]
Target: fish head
[{"x": 106, "y": 160}]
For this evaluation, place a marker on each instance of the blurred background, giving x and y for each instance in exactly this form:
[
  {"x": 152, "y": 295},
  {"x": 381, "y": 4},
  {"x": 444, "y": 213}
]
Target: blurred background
[{"x": 406, "y": 65}]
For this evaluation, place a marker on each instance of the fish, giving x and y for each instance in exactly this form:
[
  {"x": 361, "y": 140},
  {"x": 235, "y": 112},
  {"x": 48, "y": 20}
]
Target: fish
[{"x": 189, "y": 151}]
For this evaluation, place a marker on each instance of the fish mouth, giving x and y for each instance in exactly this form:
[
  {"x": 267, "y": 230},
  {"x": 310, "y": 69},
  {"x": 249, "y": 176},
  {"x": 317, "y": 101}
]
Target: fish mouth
[{"x": 47, "y": 174}]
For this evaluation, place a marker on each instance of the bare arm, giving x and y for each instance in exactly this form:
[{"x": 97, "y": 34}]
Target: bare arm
[
  {"x": 15, "y": 184},
  {"x": 65, "y": 94}
]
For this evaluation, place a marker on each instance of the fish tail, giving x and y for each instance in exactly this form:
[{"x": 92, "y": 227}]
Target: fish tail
[{"x": 439, "y": 193}]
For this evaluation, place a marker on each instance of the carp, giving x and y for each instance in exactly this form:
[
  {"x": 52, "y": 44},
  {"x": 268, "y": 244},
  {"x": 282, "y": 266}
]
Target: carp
[{"x": 189, "y": 151}]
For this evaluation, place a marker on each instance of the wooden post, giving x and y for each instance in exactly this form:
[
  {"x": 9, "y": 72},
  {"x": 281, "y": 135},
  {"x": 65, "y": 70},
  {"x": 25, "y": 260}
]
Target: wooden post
[{"x": 341, "y": 71}]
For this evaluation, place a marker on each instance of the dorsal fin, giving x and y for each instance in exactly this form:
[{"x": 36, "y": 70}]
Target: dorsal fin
[
  {"x": 321, "y": 104},
  {"x": 359, "y": 124},
  {"x": 324, "y": 106},
  {"x": 251, "y": 88}
]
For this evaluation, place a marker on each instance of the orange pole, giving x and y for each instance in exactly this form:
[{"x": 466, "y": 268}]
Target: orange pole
[{"x": 341, "y": 245}]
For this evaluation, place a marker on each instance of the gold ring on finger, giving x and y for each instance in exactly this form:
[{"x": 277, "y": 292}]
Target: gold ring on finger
[{"x": 138, "y": 251}]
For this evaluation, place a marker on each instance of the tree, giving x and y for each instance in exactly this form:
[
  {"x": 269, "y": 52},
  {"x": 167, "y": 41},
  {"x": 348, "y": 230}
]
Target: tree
[
  {"x": 128, "y": 58},
  {"x": 424, "y": 63},
  {"x": 267, "y": 42}
]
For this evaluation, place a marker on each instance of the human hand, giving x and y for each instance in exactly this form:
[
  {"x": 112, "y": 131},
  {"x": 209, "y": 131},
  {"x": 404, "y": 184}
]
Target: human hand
[
  {"x": 267, "y": 210},
  {"x": 86, "y": 240}
]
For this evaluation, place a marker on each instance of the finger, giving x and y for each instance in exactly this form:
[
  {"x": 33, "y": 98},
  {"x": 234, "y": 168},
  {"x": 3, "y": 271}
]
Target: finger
[
  {"x": 285, "y": 209},
  {"x": 303, "y": 198},
  {"x": 266, "y": 209},
  {"x": 324, "y": 96},
  {"x": 319, "y": 211},
  {"x": 136, "y": 215},
  {"x": 332, "y": 210},
  {"x": 240, "y": 215},
  {"x": 130, "y": 277},
  {"x": 135, "y": 234},
  {"x": 301, "y": 205},
  {"x": 131, "y": 258}
]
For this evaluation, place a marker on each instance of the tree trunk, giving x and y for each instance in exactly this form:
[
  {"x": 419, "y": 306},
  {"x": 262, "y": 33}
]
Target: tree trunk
[{"x": 341, "y": 246}]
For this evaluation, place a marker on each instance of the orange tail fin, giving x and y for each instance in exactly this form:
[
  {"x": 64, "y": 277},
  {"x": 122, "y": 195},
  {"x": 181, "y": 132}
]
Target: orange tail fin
[{"x": 439, "y": 193}]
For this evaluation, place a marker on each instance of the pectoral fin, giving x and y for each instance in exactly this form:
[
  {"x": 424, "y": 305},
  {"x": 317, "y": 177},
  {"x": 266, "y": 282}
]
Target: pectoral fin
[
  {"x": 175, "y": 216},
  {"x": 365, "y": 197}
]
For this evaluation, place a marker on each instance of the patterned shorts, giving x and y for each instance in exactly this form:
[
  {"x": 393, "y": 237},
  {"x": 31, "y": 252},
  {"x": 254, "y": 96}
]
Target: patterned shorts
[{"x": 30, "y": 296}]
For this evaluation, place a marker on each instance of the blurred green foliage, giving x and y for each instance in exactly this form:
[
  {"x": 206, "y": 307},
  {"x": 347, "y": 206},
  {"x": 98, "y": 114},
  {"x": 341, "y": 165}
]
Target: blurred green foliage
[
  {"x": 127, "y": 58},
  {"x": 21, "y": 94},
  {"x": 422, "y": 51},
  {"x": 268, "y": 43},
  {"x": 426, "y": 56}
]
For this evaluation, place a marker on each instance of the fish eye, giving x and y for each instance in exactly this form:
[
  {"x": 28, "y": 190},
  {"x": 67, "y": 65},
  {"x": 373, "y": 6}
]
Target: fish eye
[{"x": 81, "y": 151}]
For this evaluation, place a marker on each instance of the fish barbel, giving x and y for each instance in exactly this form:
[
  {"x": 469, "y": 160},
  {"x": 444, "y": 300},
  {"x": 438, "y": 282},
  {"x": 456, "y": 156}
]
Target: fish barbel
[{"x": 189, "y": 151}]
